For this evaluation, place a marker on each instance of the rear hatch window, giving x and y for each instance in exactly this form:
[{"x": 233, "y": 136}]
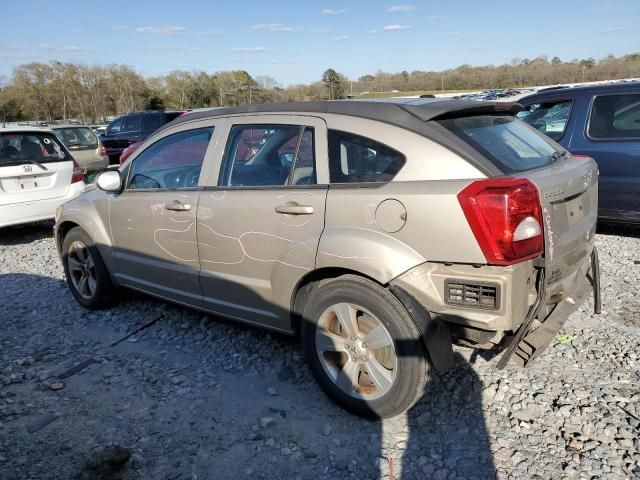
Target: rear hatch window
[
  {"x": 507, "y": 142},
  {"x": 18, "y": 148},
  {"x": 77, "y": 138}
]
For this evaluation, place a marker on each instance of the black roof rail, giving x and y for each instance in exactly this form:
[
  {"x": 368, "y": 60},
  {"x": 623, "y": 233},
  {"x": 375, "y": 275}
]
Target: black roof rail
[
  {"x": 145, "y": 111},
  {"x": 546, "y": 89}
]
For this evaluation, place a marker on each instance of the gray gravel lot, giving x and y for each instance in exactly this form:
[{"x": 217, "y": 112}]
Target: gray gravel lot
[{"x": 195, "y": 397}]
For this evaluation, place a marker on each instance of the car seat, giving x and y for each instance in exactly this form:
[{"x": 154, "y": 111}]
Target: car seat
[{"x": 30, "y": 150}]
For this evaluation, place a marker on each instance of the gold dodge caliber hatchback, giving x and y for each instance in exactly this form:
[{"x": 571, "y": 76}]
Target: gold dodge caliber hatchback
[{"x": 380, "y": 232}]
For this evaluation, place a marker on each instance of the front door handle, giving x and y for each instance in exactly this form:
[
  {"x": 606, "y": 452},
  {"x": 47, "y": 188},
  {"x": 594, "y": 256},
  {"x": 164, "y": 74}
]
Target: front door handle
[
  {"x": 178, "y": 206},
  {"x": 295, "y": 209}
]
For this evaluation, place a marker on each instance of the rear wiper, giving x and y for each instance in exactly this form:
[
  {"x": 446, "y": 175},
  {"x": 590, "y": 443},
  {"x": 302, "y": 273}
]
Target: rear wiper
[
  {"x": 33, "y": 162},
  {"x": 555, "y": 156}
]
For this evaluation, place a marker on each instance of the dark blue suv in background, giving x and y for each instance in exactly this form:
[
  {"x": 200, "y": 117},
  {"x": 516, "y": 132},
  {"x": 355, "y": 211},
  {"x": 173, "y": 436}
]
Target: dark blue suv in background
[
  {"x": 603, "y": 122},
  {"x": 133, "y": 127}
]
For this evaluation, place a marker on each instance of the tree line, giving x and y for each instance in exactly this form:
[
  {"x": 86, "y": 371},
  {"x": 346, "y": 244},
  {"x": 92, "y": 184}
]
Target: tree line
[{"x": 58, "y": 91}]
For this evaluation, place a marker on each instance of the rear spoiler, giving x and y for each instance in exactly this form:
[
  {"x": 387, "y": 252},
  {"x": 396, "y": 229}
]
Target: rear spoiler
[{"x": 457, "y": 108}]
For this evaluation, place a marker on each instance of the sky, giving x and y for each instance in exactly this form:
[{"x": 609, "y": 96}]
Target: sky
[{"x": 294, "y": 41}]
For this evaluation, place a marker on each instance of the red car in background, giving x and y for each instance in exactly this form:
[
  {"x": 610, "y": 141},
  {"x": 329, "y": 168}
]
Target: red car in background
[{"x": 126, "y": 153}]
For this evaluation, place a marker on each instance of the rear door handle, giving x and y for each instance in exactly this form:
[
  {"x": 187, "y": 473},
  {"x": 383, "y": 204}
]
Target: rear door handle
[
  {"x": 295, "y": 209},
  {"x": 178, "y": 206}
]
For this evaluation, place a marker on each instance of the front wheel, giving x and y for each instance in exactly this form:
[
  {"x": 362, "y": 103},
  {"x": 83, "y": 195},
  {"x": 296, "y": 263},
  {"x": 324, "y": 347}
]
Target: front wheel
[
  {"x": 86, "y": 274},
  {"x": 363, "y": 348}
]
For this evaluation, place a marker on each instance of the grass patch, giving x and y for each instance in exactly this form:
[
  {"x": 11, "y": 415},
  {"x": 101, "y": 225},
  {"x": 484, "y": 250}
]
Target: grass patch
[
  {"x": 564, "y": 339},
  {"x": 404, "y": 94}
]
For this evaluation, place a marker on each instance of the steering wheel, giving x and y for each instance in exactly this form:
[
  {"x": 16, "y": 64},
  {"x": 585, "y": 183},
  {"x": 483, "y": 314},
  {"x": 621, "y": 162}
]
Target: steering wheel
[{"x": 191, "y": 177}]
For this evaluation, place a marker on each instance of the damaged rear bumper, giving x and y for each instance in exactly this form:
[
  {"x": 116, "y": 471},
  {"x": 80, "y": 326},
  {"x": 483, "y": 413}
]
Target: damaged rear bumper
[
  {"x": 532, "y": 306},
  {"x": 534, "y": 335}
]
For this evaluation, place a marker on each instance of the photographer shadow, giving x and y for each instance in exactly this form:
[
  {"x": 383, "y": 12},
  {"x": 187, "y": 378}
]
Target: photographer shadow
[{"x": 447, "y": 433}]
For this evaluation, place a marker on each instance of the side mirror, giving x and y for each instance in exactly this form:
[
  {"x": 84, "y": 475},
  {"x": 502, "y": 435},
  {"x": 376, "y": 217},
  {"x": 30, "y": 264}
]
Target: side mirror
[{"x": 109, "y": 181}]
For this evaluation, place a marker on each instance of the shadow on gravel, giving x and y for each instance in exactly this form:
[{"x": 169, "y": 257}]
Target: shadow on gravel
[
  {"x": 448, "y": 435},
  {"x": 30, "y": 232},
  {"x": 444, "y": 436},
  {"x": 618, "y": 229}
]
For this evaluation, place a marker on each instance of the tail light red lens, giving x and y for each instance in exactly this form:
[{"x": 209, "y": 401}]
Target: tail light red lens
[
  {"x": 505, "y": 217},
  {"x": 103, "y": 151},
  {"x": 78, "y": 173}
]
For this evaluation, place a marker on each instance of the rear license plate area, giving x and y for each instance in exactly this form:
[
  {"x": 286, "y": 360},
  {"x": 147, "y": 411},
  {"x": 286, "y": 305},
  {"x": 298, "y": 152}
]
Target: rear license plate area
[{"x": 27, "y": 183}]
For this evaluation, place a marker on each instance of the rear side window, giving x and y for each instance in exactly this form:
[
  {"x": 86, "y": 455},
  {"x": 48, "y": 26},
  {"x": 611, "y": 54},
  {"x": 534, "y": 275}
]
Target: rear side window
[
  {"x": 357, "y": 159},
  {"x": 173, "y": 162},
  {"x": 509, "y": 143},
  {"x": 615, "y": 117},
  {"x": 551, "y": 118},
  {"x": 21, "y": 148}
]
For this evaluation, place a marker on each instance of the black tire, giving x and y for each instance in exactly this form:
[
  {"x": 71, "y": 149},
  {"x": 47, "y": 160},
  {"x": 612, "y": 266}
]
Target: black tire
[
  {"x": 104, "y": 292},
  {"x": 412, "y": 371}
]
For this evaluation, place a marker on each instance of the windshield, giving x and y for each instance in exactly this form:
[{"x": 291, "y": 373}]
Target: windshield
[
  {"x": 77, "y": 137},
  {"x": 17, "y": 148},
  {"x": 509, "y": 143}
]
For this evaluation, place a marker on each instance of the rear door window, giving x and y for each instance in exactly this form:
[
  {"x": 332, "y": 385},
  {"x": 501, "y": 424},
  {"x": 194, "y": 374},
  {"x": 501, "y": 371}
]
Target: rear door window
[
  {"x": 131, "y": 123},
  {"x": 508, "y": 142},
  {"x": 152, "y": 122},
  {"x": 357, "y": 159},
  {"x": 550, "y": 118},
  {"x": 615, "y": 117},
  {"x": 268, "y": 156}
]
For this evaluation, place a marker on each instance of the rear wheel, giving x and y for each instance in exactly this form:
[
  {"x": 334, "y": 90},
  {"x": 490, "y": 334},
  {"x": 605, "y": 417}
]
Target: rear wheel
[
  {"x": 363, "y": 347},
  {"x": 86, "y": 274}
]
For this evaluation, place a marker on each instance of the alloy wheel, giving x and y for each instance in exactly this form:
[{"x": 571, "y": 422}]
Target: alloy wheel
[
  {"x": 356, "y": 351},
  {"x": 82, "y": 269}
]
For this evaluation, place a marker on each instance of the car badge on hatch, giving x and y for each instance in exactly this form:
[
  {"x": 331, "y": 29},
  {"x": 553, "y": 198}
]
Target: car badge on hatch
[{"x": 27, "y": 168}]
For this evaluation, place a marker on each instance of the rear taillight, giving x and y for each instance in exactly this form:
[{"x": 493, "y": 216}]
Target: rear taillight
[
  {"x": 103, "y": 151},
  {"x": 78, "y": 173},
  {"x": 505, "y": 217}
]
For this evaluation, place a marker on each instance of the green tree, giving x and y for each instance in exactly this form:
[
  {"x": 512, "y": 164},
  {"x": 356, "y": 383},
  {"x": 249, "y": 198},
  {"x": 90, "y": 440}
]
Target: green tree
[{"x": 333, "y": 84}]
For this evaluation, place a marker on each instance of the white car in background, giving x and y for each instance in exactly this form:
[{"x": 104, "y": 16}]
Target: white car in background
[{"x": 37, "y": 174}]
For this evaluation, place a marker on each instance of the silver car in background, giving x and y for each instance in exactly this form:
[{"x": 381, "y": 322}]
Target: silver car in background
[{"x": 84, "y": 145}]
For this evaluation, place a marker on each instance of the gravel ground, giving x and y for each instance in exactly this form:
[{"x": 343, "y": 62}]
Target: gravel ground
[{"x": 195, "y": 397}]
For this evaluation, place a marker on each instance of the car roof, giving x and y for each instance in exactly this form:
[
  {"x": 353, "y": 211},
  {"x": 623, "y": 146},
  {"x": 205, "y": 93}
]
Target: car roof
[
  {"x": 25, "y": 129},
  {"x": 397, "y": 111},
  {"x": 412, "y": 114},
  {"x": 152, "y": 112},
  {"x": 583, "y": 90},
  {"x": 68, "y": 125}
]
